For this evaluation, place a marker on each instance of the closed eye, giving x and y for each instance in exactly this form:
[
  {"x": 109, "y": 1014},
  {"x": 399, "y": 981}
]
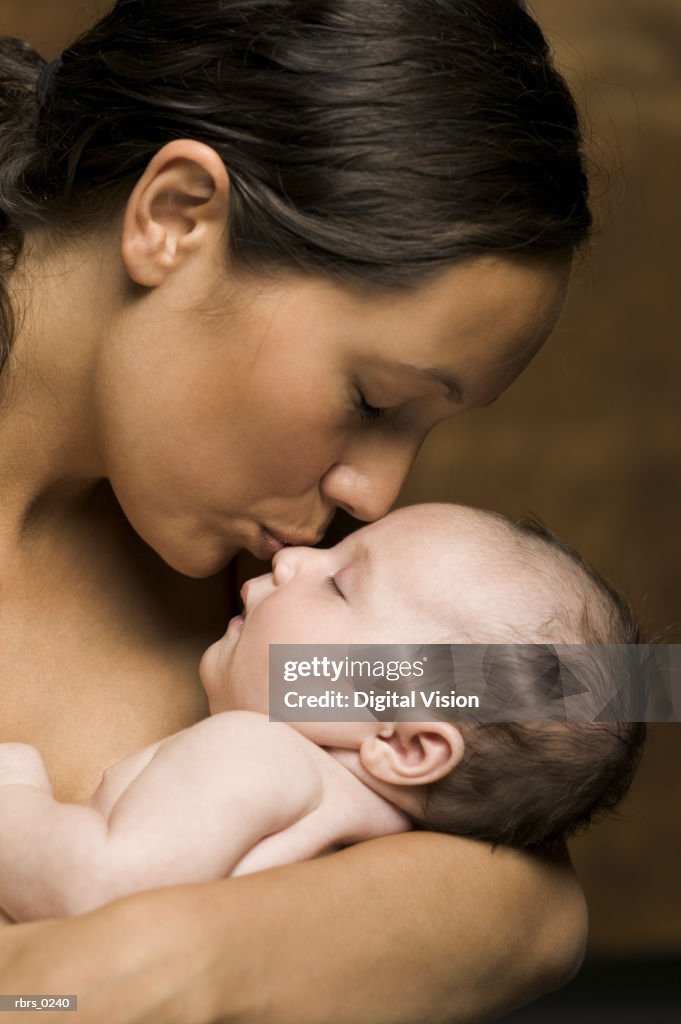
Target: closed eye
[
  {"x": 330, "y": 582},
  {"x": 369, "y": 413}
]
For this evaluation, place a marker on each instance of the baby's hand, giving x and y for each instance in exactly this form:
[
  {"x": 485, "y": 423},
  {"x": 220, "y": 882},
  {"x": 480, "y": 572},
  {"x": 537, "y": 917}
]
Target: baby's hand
[{"x": 21, "y": 764}]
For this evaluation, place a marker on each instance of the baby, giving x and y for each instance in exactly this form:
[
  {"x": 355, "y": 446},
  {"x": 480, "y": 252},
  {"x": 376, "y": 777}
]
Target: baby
[{"x": 237, "y": 793}]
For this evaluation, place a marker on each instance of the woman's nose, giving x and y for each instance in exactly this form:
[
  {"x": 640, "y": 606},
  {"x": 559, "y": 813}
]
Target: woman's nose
[{"x": 366, "y": 483}]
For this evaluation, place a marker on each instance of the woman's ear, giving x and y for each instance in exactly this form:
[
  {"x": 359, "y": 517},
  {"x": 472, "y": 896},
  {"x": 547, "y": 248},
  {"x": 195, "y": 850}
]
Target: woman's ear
[
  {"x": 412, "y": 753},
  {"x": 179, "y": 204}
]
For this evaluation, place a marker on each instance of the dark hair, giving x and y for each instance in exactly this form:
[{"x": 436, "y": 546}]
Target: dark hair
[
  {"x": 375, "y": 141},
  {"x": 535, "y": 783}
]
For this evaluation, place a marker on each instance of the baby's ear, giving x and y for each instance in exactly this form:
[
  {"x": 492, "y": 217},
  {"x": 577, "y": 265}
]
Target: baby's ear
[{"x": 412, "y": 753}]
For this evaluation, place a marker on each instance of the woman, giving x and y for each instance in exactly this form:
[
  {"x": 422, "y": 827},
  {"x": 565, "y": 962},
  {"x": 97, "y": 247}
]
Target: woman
[{"x": 253, "y": 252}]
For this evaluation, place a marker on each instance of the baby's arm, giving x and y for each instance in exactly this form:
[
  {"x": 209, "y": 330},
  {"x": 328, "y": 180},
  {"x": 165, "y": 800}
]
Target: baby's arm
[{"x": 205, "y": 798}]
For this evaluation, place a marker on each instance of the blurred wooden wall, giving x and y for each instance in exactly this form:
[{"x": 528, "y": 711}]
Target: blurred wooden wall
[{"x": 590, "y": 437}]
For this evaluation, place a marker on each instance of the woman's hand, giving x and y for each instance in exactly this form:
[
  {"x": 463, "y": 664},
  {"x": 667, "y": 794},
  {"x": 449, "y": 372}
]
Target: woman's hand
[{"x": 416, "y": 927}]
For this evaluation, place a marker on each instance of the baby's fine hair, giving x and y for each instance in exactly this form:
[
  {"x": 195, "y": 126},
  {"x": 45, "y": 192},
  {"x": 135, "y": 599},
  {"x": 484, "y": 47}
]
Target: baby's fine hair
[{"x": 535, "y": 783}]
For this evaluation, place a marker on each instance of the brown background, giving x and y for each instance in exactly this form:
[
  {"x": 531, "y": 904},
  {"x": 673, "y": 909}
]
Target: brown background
[{"x": 590, "y": 437}]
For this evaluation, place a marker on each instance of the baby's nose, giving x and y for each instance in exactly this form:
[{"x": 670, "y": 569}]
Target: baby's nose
[
  {"x": 284, "y": 565},
  {"x": 288, "y": 561},
  {"x": 253, "y": 589}
]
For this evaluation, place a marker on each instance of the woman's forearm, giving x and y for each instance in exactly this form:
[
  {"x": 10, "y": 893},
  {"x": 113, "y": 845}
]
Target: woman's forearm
[{"x": 408, "y": 928}]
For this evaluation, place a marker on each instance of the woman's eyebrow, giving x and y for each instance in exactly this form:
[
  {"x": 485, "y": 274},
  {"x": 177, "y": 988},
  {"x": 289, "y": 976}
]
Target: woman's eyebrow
[{"x": 441, "y": 376}]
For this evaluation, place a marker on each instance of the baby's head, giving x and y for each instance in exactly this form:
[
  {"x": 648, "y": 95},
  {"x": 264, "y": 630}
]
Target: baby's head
[{"x": 443, "y": 574}]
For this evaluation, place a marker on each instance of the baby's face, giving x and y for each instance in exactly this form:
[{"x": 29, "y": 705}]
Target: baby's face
[{"x": 424, "y": 574}]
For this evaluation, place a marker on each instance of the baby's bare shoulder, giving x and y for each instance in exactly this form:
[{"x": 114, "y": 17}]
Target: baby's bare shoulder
[
  {"x": 242, "y": 727},
  {"x": 247, "y": 743}
]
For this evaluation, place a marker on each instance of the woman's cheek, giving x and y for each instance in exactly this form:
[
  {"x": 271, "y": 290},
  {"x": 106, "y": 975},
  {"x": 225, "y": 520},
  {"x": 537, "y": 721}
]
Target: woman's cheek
[{"x": 296, "y": 449}]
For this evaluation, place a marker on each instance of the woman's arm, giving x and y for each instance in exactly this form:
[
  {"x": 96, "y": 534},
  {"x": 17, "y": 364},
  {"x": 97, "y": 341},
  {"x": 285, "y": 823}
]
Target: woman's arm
[{"x": 416, "y": 927}]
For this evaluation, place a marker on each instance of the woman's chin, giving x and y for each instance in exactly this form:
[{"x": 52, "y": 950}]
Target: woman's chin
[{"x": 198, "y": 558}]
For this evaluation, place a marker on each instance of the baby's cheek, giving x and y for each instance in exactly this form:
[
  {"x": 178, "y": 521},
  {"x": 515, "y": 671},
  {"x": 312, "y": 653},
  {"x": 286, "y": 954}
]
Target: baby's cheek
[{"x": 211, "y": 673}]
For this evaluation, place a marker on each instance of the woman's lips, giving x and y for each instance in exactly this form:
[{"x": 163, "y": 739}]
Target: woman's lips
[{"x": 270, "y": 542}]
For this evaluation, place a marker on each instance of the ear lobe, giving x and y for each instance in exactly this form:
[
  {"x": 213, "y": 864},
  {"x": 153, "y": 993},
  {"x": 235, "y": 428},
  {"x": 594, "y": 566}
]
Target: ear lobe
[
  {"x": 412, "y": 753},
  {"x": 179, "y": 203}
]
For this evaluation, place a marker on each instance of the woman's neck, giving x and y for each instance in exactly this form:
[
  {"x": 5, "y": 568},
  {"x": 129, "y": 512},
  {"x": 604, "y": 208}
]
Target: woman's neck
[{"x": 49, "y": 463}]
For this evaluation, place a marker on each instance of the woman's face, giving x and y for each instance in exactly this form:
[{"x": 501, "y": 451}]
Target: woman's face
[{"x": 245, "y": 422}]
